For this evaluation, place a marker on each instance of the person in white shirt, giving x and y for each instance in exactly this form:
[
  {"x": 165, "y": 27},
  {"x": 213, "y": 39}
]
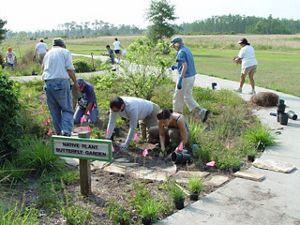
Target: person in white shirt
[
  {"x": 11, "y": 59},
  {"x": 117, "y": 49},
  {"x": 41, "y": 49},
  {"x": 247, "y": 58},
  {"x": 58, "y": 69},
  {"x": 134, "y": 109}
]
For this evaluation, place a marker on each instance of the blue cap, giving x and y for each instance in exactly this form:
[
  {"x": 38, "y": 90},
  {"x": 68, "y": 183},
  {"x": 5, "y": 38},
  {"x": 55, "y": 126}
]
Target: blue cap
[{"x": 176, "y": 40}]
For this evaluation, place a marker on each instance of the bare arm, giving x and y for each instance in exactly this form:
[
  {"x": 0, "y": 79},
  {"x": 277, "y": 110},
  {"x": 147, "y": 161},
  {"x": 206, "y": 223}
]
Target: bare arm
[
  {"x": 72, "y": 75},
  {"x": 182, "y": 130},
  {"x": 162, "y": 136}
]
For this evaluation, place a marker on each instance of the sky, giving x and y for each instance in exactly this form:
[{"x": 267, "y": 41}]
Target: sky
[{"x": 32, "y": 15}]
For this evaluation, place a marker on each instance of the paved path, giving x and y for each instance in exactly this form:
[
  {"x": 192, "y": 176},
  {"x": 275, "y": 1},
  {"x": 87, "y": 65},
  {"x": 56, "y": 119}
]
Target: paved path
[{"x": 276, "y": 200}]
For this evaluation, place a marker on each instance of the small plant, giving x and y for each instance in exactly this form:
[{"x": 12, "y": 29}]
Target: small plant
[
  {"x": 76, "y": 215},
  {"x": 117, "y": 214},
  {"x": 229, "y": 162},
  {"x": 260, "y": 137},
  {"x": 150, "y": 210},
  {"x": 82, "y": 65},
  {"x": 177, "y": 195},
  {"x": 70, "y": 177},
  {"x": 195, "y": 185}
]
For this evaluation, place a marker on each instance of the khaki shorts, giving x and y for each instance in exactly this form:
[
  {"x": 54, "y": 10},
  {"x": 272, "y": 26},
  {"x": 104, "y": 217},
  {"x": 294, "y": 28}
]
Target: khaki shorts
[{"x": 249, "y": 69}]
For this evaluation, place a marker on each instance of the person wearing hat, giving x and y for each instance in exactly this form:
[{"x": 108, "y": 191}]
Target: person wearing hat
[
  {"x": 11, "y": 59},
  {"x": 247, "y": 58},
  {"x": 41, "y": 49},
  {"x": 186, "y": 78},
  {"x": 58, "y": 69},
  {"x": 87, "y": 104}
]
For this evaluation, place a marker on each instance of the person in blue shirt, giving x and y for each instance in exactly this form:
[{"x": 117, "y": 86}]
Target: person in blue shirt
[
  {"x": 111, "y": 54},
  {"x": 87, "y": 104},
  {"x": 186, "y": 78}
]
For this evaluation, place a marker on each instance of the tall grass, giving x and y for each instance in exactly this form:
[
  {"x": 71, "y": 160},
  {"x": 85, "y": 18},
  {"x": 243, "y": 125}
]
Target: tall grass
[{"x": 19, "y": 216}]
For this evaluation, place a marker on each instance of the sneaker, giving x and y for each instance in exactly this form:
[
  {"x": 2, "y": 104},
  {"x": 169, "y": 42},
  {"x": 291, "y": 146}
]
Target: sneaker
[
  {"x": 203, "y": 113},
  {"x": 252, "y": 92},
  {"x": 239, "y": 90}
]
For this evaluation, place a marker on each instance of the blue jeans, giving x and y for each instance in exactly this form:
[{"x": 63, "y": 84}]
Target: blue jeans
[
  {"x": 80, "y": 111},
  {"x": 59, "y": 101}
]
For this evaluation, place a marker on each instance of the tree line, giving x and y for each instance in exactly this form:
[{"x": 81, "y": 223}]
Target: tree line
[
  {"x": 242, "y": 24},
  {"x": 160, "y": 26}
]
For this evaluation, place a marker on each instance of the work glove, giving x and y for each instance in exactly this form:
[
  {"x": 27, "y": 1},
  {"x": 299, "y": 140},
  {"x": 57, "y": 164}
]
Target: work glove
[{"x": 179, "y": 83}]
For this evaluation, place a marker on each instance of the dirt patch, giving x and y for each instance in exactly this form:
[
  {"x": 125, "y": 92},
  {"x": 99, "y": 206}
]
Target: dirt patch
[{"x": 265, "y": 99}]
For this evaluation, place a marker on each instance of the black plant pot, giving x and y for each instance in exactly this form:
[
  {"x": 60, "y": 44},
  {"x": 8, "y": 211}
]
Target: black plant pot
[
  {"x": 147, "y": 221},
  {"x": 179, "y": 204},
  {"x": 251, "y": 158},
  {"x": 194, "y": 196},
  {"x": 283, "y": 118}
]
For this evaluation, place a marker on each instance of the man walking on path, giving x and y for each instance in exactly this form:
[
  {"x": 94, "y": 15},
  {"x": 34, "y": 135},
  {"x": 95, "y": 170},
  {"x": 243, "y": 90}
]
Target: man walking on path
[
  {"x": 247, "y": 58},
  {"x": 58, "y": 69},
  {"x": 134, "y": 109},
  {"x": 41, "y": 49},
  {"x": 186, "y": 78}
]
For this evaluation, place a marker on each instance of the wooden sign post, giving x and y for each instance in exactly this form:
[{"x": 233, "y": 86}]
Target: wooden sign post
[{"x": 85, "y": 149}]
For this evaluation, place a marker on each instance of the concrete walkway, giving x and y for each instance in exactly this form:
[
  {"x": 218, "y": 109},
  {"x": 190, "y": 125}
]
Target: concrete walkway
[{"x": 276, "y": 200}]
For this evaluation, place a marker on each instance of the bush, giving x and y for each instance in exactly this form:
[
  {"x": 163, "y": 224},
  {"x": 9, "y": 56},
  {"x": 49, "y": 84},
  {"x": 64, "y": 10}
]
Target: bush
[
  {"x": 259, "y": 137},
  {"x": 229, "y": 161},
  {"x": 82, "y": 65},
  {"x": 76, "y": 215},
  {"x": 150, "y": 210},
  {"x": 9, "y": 108},
  {"x": 195, "y": 184},
  {"x": 117, "y": 214}
]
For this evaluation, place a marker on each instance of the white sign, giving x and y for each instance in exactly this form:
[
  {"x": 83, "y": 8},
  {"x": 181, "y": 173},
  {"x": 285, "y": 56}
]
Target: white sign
[{"x": 96, "y": 149}]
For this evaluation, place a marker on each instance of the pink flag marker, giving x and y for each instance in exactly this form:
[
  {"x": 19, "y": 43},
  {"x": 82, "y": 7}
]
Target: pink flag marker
[
  {"x": 49, "y": 132},
  {"x": 112, "y": 148},
  {"x": 145, "y": 152},
  {"x": 80, "y": 129},
  {"x": 211, "y": 164},
  {"x": 135, "y": 137},
  {"x": 107, "y": 132},
  {"x": 180, "y": 147},
  {"x": 82, "y": 119},
  {"x": 88, "y": 129},
  {"x": 88, "y": 113}
]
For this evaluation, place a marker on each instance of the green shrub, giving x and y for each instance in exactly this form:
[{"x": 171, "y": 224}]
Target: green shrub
[
  {"x": 82, "y": 65},
  {"x": 150, "y": 210},
  {"x": 76, "y": 215},
  {"x": 19, "y": 216},
  {"x": 117, "y": 214},
  {"x": 260, "y": 137},
  {"x": 175, "y": 192},
  {"x": 70, "y": 177},
  {"x": 195, "y": 184},
  {"x": 38, "y": 155},
  {"x": 9, "y": 108},
  {"x": 228, "y": 161}
]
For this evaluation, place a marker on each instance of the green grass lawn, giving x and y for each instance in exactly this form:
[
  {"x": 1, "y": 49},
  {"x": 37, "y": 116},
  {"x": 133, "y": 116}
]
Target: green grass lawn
[
  {"x": 278, "y": 56},
  {"x": 276, "y": 70}
]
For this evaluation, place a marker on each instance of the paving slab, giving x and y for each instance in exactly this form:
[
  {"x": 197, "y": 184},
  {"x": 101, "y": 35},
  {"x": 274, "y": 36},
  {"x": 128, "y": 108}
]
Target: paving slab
[
  {"x": 276, "y": 166},
  {"x": 71, "y": 161},
  {"x": 115, "y": 168},
  {"x": 148, "y": 174},
  {"x": 216, "y": 180},
  {"x": 250, "y": 175},
  {"x": 184, "y": 176}
]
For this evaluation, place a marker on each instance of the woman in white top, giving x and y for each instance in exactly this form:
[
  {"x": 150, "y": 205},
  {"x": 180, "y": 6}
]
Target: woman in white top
[
  {"x": 249, "y": 64},
  {"x": 117, "y": 48}
]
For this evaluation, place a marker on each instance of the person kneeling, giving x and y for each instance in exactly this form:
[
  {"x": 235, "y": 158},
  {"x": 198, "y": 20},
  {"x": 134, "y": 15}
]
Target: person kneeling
[
  {"x": 87, "y": 104},
  {"x": 171, "y": 130}
]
